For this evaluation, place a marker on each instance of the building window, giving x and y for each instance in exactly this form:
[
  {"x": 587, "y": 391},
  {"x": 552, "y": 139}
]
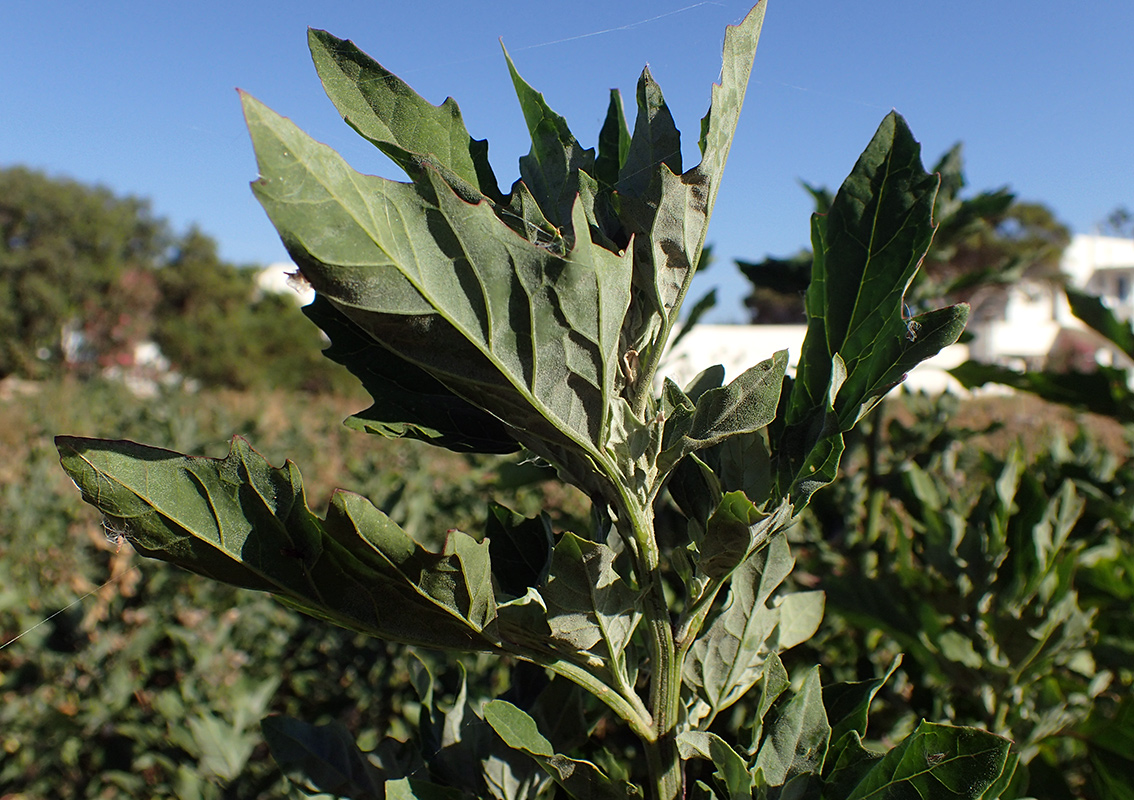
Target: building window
[{"x": 1122, "y": 287}]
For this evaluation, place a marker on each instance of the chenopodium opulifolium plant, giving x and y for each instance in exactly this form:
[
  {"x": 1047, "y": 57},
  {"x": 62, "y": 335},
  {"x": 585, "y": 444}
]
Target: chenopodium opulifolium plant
[{"x": 535, "y": 321}]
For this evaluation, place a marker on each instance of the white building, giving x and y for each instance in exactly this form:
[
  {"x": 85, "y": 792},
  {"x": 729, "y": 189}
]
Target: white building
[{"x": 1033, "y": 325}]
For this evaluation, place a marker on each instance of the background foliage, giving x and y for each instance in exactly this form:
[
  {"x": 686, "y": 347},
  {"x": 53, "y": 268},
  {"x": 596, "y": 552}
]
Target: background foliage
[
  {"x": 155, "y": 684},
  {"x": 86, "y": 276}
]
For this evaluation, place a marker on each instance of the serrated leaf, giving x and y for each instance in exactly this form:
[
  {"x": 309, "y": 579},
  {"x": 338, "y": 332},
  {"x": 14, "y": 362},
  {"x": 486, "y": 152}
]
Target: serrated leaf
[
  {"x": 589, "y": 607},
  {"x": 613, "y": 142},
  {"x": 655, "y": 141},
  {"x": 938, "y": 761},
  {"x": 868, "y": 248},
  {"x": 796, "y": 743},
  {"x": 529, "y": 335},
  {"x": 676, "y": 207},
  {"x": 323, "y": 756},
  {"x": 241, "y": 521},
  {"x": 408, "y": 401},
  {"x": 550, "y": 169},
  {"x": 402, "y": 124},
  {"x": 727, "y": 659}
]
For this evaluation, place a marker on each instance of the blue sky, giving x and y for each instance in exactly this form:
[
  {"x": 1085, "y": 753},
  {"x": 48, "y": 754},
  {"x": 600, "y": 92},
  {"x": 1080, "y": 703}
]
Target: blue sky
[{"x": 140, "y": 96}]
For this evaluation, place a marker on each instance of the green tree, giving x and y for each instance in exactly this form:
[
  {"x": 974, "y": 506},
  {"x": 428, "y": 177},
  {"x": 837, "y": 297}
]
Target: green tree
[
  {"x": 76, "y": 256},
  {"x": 88, "y": 275},
  {"x": 987, "y": 240}
]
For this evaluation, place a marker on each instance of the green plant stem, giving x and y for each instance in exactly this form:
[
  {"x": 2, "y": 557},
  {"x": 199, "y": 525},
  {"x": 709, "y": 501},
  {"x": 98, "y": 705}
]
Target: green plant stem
[
  {"x": 662, "y": 756},
  {"x": 690, "y": 623},
  {"x": 629, "y": 709}
]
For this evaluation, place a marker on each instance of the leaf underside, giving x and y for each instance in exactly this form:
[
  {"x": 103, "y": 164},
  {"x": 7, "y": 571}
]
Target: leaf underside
[{"x": 241, "y": 521}]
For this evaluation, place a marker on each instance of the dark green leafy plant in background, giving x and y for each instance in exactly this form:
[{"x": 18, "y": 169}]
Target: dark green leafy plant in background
[
  {"x": 1001, "y": 578},
  {"x": 535, "y": 321}
]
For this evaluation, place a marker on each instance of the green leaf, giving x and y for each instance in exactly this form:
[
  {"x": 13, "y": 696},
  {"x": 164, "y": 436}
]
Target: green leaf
[
  {"x": 800, "y": 615},
  {"x": 580, "y": 779},
  {"x": 732, "y": 771},
  {"x": 456, "y": 743},
  {"x": 938, "y": 761},
  {"x": 551, "y": 168},
  {"x": 655, "y": 141},
  {"x": 1102, "y": 391},
  {"x": 520, "y": 549},
  {"x": 529, "y": 335},
  {"x": 736, "y": 529},
  {"x": 1095, "y": 313},
  {"x": 676, "y": 214},
  {"x": 412, "y": 789},
  {"x": 323, "y": 756},
  {"x": 404, "y": 126},
  {"x": 613, "y": 142},
  {"x": 408, "y": 401},
  {"x": 223, "y": 748},
  {"x": 859, "y": 342},
  {"x": 849, "y": 703},
  {"x": 796, "y": 743},
  {"x": 694, "y": 487},
  {"x": 516, "y": 728},
  {"x": 590, "y": 609},
  {"x": 849, "y": 762},
  {"x": 727, "y": 659},
  {"x": 743, "y": 463},
  {"x": 774, "y": 681},
  {"x": 240, "y": 521},
  {"x": 746, "y": 405},
  {"x": 867, "y": 250}
]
